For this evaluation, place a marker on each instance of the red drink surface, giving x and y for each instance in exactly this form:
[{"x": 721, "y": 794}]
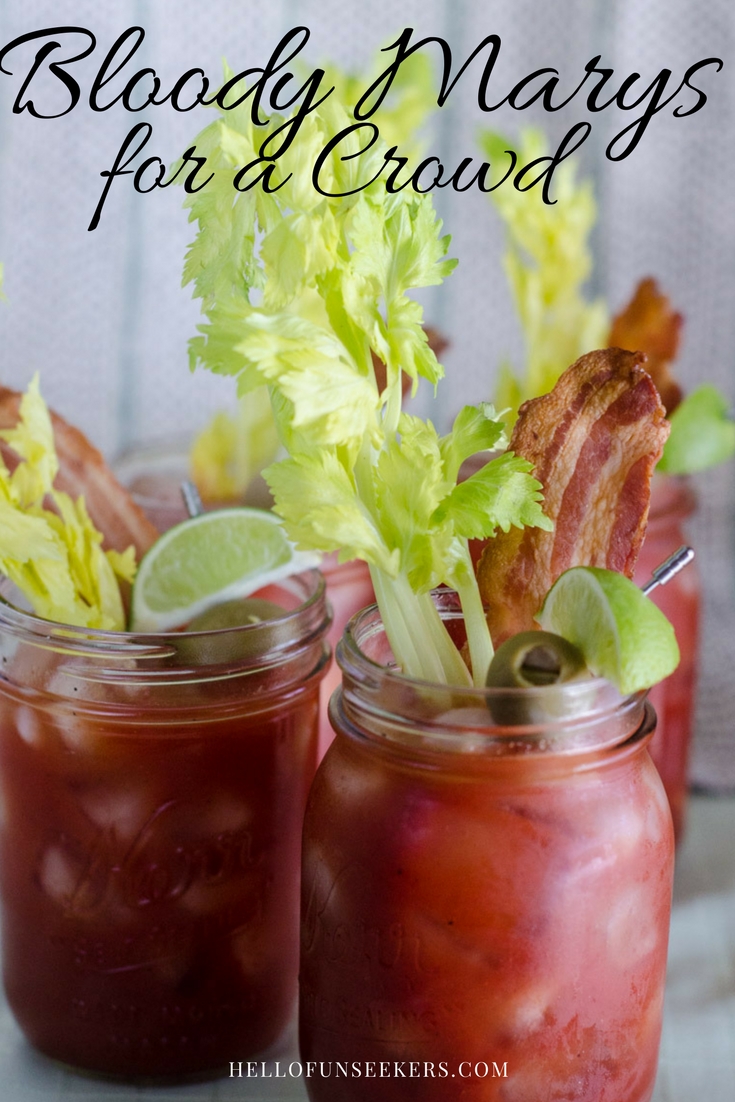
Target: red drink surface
[{"x": 150, "y": 853}]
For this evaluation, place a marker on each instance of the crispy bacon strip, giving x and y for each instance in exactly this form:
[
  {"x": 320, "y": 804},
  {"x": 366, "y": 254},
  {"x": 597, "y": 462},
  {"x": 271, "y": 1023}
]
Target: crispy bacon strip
[
  {"x": 594, "y": 442},
  {"x": 437, "y": 344},
  {"x": 649, "y": 324},
  {"x": 82, "y": 470}
]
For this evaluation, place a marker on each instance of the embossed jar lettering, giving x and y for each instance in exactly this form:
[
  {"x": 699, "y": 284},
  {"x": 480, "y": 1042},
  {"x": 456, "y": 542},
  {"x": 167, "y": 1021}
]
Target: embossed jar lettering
[{"x": 150, "y": 885}]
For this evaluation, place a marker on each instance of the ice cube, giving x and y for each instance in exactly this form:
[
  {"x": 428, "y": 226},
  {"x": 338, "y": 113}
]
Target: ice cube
[
  {"x": 616, "y": 829},
  {"x": 123, "y": 810},
  {"x": 360, "y": 786},
  {"x": 171, "y": 967},
  {"x": 254, "y": 951},
  {"x": 76, "y": 732},
  {"x": 632, "y": 928},
  {"x": 28, "y": 726},
  {"x": 75, "y": 879},
  {"x": 657, "y": 807},
  {"x": 528, "y": 1011},
  {"x": 58, "y": 875},
  {"x": 226, "y": 815},
  {"x": 70, "y": 680}
]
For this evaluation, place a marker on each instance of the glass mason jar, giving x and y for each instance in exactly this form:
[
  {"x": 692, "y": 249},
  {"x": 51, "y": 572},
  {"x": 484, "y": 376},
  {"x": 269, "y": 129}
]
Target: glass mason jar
[
  {"x": 485, "y": 907},
  {"x": 672, "y": 502},
  {"x": 153, "y": 473},
  {"x": 153, "y": 789}
]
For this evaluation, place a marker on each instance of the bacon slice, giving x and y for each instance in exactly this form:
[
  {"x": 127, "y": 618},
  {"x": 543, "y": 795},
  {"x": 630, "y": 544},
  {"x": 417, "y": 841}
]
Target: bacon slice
[
  {"x": 594, "y": 442},
  {"x": 649, "y": 324},
  {"x": 82, "y": 470},
  {"x": 437, "y": 343}
]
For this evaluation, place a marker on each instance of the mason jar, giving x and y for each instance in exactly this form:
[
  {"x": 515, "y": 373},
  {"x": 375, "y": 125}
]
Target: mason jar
[
  {"x": 486, "y": 890},
  {"x": 153, "y": 789},
  {"x": 672, "y": 503},
  {"x": 152, "y": 474}
]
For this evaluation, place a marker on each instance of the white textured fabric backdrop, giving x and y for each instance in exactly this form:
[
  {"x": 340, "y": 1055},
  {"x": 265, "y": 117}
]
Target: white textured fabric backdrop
[{"x": 103, "y": 317}]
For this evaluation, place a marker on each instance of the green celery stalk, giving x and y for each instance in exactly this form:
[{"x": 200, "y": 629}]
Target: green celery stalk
[{"x": 299, "y": 291}]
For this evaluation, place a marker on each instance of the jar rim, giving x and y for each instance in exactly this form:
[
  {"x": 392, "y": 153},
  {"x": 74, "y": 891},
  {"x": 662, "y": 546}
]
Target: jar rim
[
  {"x": 380, "y": 700},
  {"x": 269, "y": 643}
]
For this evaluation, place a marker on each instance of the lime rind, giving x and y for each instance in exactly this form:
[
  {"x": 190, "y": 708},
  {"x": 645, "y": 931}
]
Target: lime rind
[
  {"x": 212, "y": 558},
  {"x": 229, "y": 545},
  {"x": 623, "y": 636}
]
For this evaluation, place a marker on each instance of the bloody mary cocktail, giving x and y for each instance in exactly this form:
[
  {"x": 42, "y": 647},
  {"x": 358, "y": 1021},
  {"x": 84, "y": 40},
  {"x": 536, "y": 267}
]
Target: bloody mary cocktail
[
  {"x": 476, "y": 894},
  {"x": 153, "y": 791},
  {"x": 672, "y": 502}
]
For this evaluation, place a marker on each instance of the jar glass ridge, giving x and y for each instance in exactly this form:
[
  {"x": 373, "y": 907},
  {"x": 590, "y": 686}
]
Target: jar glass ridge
[
  {"x": 384, "y": 703},
  {"x": 153, "y": 789}
]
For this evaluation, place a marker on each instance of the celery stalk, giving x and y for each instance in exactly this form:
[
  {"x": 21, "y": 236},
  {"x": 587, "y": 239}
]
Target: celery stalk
[{"x": 300, "y": 290}]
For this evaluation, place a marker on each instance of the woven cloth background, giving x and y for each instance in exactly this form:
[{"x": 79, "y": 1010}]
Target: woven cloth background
[{"x": 103, "y": 317}]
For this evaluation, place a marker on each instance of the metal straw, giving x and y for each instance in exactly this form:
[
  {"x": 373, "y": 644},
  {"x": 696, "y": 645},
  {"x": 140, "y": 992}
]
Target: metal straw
[
  {"x": 191, "y": 497},
  {"x": 666, "y": 571}
]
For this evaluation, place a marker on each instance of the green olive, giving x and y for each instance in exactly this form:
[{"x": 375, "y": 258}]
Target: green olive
[
  {"x": 535, "y": 658},
  {"x": 231, "y": 646},
  {"x": 235, "y": 614},
  {"x": 531, "y": 660}
]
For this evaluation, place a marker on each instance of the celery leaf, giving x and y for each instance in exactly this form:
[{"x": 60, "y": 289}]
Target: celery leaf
[
  {"x": 317, "y": 499},
  {"x": 475, "y": 429},
  {"x": 304, "y": 302},
  {"x": 547, "y": 262},
  {"x": 54, "y": 555},
  {"x": 702, "y": 433},
  {"x": 502, "y": 494}
]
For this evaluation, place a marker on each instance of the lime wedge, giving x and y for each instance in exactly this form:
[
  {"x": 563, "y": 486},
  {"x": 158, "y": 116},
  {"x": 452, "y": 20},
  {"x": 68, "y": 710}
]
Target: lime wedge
[
  {"x": 621, "y": 633},
  {"x": 211, "y": 558}
]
